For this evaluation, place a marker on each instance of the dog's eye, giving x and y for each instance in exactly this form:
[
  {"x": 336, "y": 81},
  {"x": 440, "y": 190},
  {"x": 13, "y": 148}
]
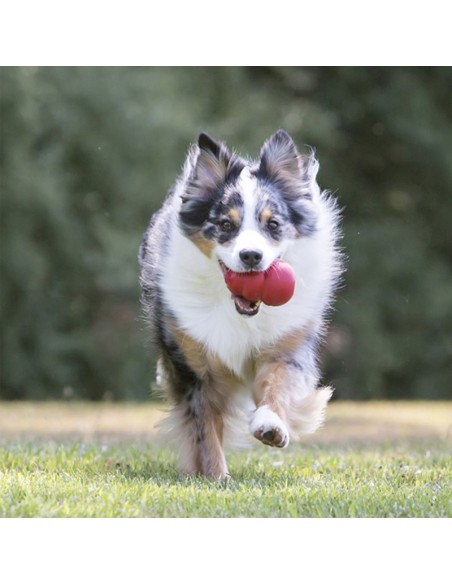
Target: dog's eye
[
  {"x": 226, "y": 225},
  {"x": 273, "y": 225}
]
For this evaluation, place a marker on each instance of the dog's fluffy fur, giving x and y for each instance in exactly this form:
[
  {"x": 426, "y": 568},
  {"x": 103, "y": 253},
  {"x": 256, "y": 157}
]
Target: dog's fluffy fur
[{"x": 214, "y": 349}]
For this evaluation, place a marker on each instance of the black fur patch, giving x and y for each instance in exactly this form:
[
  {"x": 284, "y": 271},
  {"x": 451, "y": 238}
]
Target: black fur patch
[
  {"x": 184, "y": 381},
  {"x": 195, "y": 212},
  {"x": 302, "y": 216}
]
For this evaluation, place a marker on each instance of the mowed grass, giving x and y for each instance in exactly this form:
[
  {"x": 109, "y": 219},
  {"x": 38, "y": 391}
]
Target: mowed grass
[{"x": 382, "y": 459}]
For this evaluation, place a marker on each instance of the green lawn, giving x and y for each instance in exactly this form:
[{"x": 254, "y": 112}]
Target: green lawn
[{"x": 106, "y": 460}]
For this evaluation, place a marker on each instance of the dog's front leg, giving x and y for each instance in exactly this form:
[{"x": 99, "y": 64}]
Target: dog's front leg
[
  {"x": 288, "y": 401},
  {"x": 268, "y": 423},
  {"x": 209, "y": 435},
  {"x": 200, "y": 426}
]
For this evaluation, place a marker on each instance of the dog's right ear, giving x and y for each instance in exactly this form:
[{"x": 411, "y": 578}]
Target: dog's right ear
[
  {"x": 212, "y": 164},
  {"x": 209, "y": 144}
]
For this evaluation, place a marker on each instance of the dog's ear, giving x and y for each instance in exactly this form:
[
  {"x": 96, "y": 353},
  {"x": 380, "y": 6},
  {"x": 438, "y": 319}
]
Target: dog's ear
[
  {"x": 211, "y": 165},
  {"x": 209, "y": 144},
  {"x": 213, "y": 162},
  {"x": 281, "y": 162},
  {"x": 280, "y": 157}
]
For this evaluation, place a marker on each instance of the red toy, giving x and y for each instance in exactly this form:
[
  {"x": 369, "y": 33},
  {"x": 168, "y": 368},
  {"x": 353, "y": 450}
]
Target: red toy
[{"x": 273, "y": 287}]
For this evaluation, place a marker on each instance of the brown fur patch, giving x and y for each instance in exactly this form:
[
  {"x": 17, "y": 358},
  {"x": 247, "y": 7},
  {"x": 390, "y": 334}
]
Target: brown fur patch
[
  {"x": 203, "y": 244},
  {"x": 273, "y": 374},
  {"x": 213, "y": 462},
  {"x": 266, "y": 215},
  {"x": 234, "y": 215},
  {"x": 269, "y": 385},
  {"x": 285, "y": 346},
  {"x": 220, "y": 380}
]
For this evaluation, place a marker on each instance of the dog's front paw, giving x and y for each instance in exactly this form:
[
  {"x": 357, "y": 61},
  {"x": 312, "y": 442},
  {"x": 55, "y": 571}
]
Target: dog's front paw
[{"x": 268, "y": 427}]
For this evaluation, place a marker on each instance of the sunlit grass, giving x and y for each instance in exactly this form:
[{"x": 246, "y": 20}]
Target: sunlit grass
[{"x": 83, "y": 460}]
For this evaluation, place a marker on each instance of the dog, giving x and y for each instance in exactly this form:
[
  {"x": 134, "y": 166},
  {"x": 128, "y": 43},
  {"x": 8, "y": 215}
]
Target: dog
[{"x": 223, "y": 356}]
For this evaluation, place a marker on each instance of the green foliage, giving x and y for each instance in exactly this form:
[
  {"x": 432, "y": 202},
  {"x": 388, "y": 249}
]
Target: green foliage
[{"x": 87, "y": 154}]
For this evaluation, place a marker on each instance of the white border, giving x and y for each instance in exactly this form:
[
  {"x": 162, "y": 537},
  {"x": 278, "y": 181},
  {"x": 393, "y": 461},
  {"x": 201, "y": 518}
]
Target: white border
[
  {"x": 211, "y": 550},
  {"x": 287, "y": 32}
]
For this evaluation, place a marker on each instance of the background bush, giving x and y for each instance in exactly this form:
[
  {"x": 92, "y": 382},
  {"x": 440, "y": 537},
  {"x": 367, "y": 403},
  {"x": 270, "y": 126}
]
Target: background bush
[{"x": 87, "y": 154}]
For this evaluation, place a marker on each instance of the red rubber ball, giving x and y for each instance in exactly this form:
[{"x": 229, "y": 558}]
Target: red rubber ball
[{"x": 279, "y": 284}]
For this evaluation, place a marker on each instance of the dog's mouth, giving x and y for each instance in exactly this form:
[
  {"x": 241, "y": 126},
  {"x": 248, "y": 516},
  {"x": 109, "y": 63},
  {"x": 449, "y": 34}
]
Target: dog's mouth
[
  {"x": 242, "y": 305},
  {"x": 246, "y": 307}
]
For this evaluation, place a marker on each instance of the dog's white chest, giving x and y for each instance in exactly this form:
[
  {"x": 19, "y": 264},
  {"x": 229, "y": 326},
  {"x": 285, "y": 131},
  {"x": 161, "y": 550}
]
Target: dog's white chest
[{"x": 195, "y": 292}]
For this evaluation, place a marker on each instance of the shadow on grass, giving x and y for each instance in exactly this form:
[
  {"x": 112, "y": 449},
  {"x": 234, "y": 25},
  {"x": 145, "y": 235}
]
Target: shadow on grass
[{"x": 166, "y": 473}]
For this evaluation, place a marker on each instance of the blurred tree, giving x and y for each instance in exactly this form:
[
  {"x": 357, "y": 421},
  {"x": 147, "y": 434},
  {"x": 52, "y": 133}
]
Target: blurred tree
[{"x": 87, "y": 154}]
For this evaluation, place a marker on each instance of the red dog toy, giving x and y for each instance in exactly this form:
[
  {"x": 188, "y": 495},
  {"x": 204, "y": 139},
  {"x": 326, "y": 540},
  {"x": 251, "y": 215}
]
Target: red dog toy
[{"x": 273, "y": 287}]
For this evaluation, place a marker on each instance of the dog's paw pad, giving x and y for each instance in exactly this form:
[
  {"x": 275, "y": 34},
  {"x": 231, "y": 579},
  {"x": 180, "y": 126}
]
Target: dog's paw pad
[
  {"x": 269, "y": 436},
  {"x": 274, "y": 437},
  {"x": 267, "y": 427}
]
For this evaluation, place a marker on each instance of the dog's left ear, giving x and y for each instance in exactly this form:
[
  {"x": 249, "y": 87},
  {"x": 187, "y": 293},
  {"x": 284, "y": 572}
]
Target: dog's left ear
[{"x": 280, "y": 160}]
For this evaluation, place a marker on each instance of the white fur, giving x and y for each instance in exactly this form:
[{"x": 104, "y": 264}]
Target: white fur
[
  {"x": 249, "y": 236},
  {"x": 265, "y": 420}
]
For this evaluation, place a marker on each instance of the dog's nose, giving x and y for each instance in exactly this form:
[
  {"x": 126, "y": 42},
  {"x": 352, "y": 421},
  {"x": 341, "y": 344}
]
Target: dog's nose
[{"x": 251, "y": 257}]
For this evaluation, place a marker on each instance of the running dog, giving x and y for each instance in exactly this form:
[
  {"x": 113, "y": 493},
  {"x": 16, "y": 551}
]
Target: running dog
[{"x": 223, "y": 353}]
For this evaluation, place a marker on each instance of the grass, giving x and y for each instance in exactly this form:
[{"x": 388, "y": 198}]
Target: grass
[{"x": 105, "y": 460}]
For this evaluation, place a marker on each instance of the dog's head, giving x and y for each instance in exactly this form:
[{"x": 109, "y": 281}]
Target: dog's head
[{"x": 246, "y": 215}]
